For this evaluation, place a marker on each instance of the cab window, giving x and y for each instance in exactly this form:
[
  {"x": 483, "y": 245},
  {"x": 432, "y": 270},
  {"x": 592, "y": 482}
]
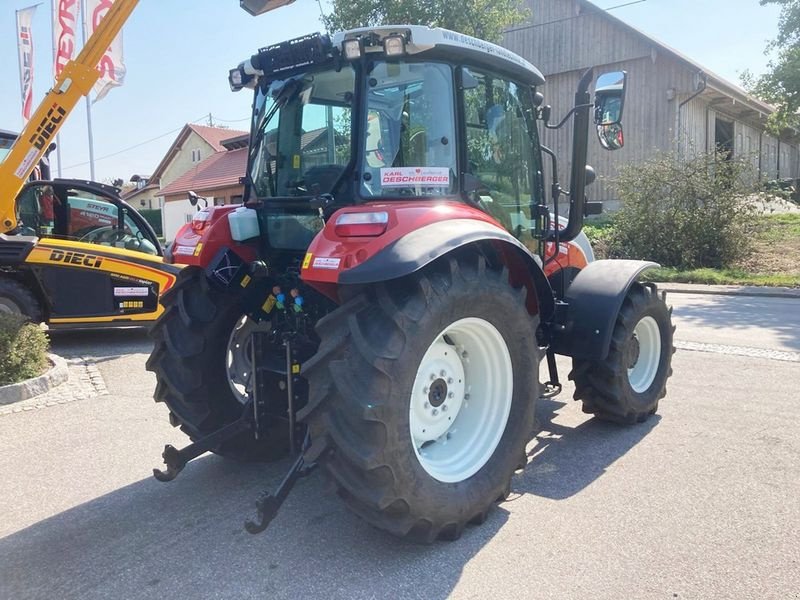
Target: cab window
[
  {"x": 90, "y": 218},
  {"x": 501, "y": 149}
]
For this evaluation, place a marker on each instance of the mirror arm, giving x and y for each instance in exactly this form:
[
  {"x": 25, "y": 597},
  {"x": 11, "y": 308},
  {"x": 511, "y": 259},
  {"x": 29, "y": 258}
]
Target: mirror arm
[{"x": 568, "y": 115}]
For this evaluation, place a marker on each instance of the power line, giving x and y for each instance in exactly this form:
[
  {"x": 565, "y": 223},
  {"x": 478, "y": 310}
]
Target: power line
[
  {"x": 535, "y": 25},
  {"x": 158, "y": 137}
]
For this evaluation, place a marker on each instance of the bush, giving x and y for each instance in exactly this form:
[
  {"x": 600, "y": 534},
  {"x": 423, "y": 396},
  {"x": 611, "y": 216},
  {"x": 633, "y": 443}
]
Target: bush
[
  {"x": 23, "y": 349},
  {"x": 686, "y": 213},
  {"x": 153, "y": 216}
]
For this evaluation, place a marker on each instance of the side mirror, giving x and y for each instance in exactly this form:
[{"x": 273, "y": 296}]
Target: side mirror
[
  {"x": 609, "y": 101},
  {"x": 193, "y": 198},
  {"x": 609, "y": 98},
  {"x": 611, "y": 136}
]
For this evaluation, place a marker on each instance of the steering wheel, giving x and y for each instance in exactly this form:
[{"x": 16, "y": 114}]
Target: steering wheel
[{"x": 105, "y": 235}]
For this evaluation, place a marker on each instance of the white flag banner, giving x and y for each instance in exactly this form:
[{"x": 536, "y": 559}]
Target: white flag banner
[
  {"x": 25, "y": 49},
  {"x": 111, "y": 66},
  {"x": 65, "y": 25}
]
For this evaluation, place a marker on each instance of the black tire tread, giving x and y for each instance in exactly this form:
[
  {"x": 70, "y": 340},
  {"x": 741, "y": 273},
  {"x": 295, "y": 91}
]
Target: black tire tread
[
  {"x": 189, "y": 368},
  {"x": 23, "y": 297},
  {"x": 602, "y": 385},
  {"x": 360, "y": 342}
]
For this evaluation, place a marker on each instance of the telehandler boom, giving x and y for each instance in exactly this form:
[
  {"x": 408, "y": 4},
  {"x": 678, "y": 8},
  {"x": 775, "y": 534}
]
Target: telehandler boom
[{"x": 75, "y": 81}]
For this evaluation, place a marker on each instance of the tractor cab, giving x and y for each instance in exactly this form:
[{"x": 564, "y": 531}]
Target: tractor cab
[{"x": 399, "y": 114}]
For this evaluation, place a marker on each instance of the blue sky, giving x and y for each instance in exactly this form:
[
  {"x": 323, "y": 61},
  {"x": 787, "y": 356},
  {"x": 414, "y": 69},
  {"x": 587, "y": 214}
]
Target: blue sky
[{"x": 178, "y": 53}]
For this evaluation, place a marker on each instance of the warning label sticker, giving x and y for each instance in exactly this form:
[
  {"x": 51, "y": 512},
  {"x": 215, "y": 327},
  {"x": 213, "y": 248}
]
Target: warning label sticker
[
  {"x": 131, "y": 291},
  {"x": 415, "y": 177},
  {"x": 323, "y": 262},
  {"x": 26, "y": 163}
]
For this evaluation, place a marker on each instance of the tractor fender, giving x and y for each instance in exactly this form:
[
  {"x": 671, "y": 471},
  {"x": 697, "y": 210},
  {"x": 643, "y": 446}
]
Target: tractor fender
[
  {"x": 593, "y": 302},
  {"x": 415, "y": 248}
]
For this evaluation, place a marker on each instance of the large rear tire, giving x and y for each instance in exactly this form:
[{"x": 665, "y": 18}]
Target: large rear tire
[
  {"x": 17, "y": 299},
  {"x": 422, "y": 396},
  {"x": 200, "y": 360},
  {"x": 625, "y": 387}
]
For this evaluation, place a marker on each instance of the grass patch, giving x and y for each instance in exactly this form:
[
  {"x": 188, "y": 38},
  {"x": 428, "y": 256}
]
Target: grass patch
[
  {"x": 774, "y": 262},
  {"x": 721, "y": 277}
]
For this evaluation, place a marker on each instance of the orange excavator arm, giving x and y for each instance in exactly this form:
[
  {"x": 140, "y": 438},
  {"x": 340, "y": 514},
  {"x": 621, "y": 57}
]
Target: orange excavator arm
[{"x": 76, "y": 80}]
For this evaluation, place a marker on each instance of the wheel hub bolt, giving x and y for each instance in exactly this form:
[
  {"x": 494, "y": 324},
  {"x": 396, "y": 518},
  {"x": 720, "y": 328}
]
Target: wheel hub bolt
[
  {"x": 442, "y": 373},
  {"x": 466, "y": 396},
  {"x": 464, "y": 354},
  {"x": 449, "y": 380},
  {"x": 444, "y": 407},
  {"x": 433, "y": 376},
  {"x": 434, "y": 412},
  {"x": 450, "y": 394},
  {"x": 427, "y": 405}
]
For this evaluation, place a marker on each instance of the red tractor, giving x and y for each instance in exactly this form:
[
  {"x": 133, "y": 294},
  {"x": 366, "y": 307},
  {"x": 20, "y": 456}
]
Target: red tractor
[{"x": 381, "y": 303}]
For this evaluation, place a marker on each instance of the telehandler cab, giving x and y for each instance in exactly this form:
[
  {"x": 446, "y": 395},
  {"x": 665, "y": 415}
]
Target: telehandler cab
[
  {"x": 380, "y": 304},
  {"x": 72, "y": 252}
]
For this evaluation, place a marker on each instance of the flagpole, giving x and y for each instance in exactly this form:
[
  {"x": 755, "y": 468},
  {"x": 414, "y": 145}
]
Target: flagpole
[
  {"x": 53, "y": 37},
  {"x": 88, "y": 102}
]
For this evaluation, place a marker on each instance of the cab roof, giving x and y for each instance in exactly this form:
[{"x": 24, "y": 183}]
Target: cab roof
[{"x": 436, "y": 42}]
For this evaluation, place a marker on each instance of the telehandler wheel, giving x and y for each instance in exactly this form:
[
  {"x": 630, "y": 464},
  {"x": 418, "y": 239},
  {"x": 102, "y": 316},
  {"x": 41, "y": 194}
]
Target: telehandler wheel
[
  {"x": 17, "y": 299},
  {"x": 201, "y": 366},
  {"x": 422, "y": 395},
  {"x": 626, "y": 387}
]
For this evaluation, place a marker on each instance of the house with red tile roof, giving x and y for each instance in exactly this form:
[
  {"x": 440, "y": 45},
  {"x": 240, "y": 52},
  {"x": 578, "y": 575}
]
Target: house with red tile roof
[{"x": 205, "y": 160}]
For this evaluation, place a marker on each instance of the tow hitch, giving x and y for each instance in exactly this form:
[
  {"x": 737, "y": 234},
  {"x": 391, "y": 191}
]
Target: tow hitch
[{"x": 253, "y": 418}]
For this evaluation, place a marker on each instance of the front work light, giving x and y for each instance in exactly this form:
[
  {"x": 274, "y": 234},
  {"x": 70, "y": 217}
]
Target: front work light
[
  {"x": 352, "y": 49},
  {"x": 394, "y": 45},
  {"x": 235, "y": 79}
]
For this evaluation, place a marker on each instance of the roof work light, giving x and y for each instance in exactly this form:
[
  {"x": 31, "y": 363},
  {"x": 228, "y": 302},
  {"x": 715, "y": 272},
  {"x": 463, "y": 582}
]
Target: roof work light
[
  {"x": 352, "y": 49},
  {"x": 394, "y": 45}
]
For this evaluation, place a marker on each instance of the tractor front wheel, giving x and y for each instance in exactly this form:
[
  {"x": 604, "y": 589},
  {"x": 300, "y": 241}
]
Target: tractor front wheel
[
  {"x": 626, "y": 387},
  {"x": 422, "y": 395}
]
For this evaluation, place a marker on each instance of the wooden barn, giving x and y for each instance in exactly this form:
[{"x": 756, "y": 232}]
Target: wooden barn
[{"x": 672, "y": 103}]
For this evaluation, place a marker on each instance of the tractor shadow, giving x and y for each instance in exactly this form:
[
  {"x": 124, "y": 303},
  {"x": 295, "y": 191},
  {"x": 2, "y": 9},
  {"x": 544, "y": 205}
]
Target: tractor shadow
[
  {"x": 564, "y": 460},
  {"x": 186, "y": 539},
  {"x": 100, "y": 344}
]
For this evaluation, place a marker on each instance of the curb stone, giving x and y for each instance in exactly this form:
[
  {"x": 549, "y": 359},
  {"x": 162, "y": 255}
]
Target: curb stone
[
  {"x": 730, "y": 290},
  {"x": 57, "y": 374},
  {"x": 85, "y": 381}
]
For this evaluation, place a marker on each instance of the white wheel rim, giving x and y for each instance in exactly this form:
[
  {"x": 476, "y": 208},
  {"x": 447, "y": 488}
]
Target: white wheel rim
[
  {"x": 643, "y": 365},
  {"x": 238, "y": 358},
  {"x": 461, "y": 399}
]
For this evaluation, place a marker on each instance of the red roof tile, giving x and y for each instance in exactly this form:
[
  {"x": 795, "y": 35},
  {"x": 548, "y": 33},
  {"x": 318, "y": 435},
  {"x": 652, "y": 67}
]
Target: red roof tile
[
  {"x": 215, "y": 135},
  {"x": 219, "y": 170}
]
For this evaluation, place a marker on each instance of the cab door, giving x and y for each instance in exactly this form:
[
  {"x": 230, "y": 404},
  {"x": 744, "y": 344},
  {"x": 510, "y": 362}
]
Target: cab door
[{"x": 95, "y": 259}]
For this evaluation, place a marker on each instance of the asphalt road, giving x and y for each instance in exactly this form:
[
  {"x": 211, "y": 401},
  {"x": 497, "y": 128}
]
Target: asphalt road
[{"x": 702, "y": 501}]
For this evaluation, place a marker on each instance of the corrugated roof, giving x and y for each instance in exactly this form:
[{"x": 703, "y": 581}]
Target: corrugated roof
[
  {"x": 219, "y": 170},
  {"x": 723, "y": 84}
]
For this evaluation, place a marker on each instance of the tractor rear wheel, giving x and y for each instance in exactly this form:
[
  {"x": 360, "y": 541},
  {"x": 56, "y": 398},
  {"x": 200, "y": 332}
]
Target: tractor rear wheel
[
  {"x": 422, "y": 397},
  {"x": 17, "y": 299},
  {"x": 626, "y": 387},
  {"x": 202, "y": 361}
]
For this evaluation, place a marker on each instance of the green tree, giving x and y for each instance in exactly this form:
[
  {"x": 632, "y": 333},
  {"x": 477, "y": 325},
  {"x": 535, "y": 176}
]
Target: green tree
[
  {"x": 484, "y": 19},
  {"x": 781, "y": 84}
]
